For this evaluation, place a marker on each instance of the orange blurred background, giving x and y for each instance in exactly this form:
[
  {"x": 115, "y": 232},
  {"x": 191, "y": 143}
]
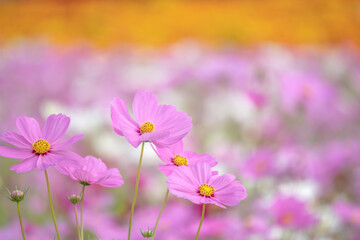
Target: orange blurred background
[{"x": 158, "y": 23}]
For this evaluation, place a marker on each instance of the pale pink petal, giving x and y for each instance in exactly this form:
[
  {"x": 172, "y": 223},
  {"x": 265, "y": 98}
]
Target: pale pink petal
[
  {"x": 154, "y": 136},
  {"x": 55, "y": 127},
  {"x": 94, "y": 164},
  {"x": 41, "y": 163},
  {"x": 67, "y": 158},
  {"x": 145, "y": 106},
  {"x": 202, "y": 172},
  {"x": 166, "y": 169},
  {"x": 16, "y": 139},
  {"x": 165, "y": 154},
  {"x": 195, "y": 158},
  {"x": 231, "y": 195},
  {"x": 29, "y": 128},
  {"x": 19, "y": 153},
  {"x": 183, "y": 179},
  {"x": 177, "y": 123},
  {"x": 177, "y": 148},
  {"x": 219, "y": 182},
  {"x": 111, "y": 178},
  {"x": 26, "y": 165},
  {"x": 122, "y": 122},
  {"x": 67, "y": 143}
]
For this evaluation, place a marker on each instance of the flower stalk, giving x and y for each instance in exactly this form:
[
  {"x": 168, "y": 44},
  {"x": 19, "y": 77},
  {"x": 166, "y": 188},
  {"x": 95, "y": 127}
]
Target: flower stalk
[
  {"x": 136, "y": 189},
  {"x": 201, "y": 221},
  {"x": 81, "y": 212},
  {"x": 162, "y": 209},
  {"x": 21, "y": 224},
  {"x": 51, "y": 205}
]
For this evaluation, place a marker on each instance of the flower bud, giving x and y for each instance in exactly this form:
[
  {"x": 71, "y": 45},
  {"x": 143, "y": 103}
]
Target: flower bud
[
  {"x": 17, "y": 196},
  {"x": 74, "y": 199},
  {"x": 148, "y": 233}
]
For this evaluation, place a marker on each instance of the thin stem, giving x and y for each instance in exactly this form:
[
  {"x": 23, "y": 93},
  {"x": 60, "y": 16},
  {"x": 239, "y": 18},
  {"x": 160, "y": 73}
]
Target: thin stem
[
  {"x": 162, "y": 208},
  {"x": 201, "y": 221},
  {"x": 136, "y": 189},
  {"x": 51, "y": 205},
  {"x": 81, "y": 211},
  {"x": 77, "y": 222},
  {"x": 22, "y": 228}
]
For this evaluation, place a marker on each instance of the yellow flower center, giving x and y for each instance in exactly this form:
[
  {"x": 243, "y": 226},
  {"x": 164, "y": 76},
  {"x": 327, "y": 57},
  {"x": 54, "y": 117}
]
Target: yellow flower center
[
  {"x": 41, "y": 146},
  {"x": 179, "y": 160},
  {"x": 206, "y": 190},
  {"x": 147, "y": 127}
]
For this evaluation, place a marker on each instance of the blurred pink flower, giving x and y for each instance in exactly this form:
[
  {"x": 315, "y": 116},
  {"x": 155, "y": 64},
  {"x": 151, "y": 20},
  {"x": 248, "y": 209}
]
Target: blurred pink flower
[
  {"x": 197, "y": 184},
  {"x": 39, "y": 148},
  {"x": 175, "y": 156},
  {"x": 289, "y": 212},
  {"x": 348, "y": 212},
  {"x": 260, "y": 164},
  {"x": 93, "y": 171},
  {"x": 162, "y": 125}
]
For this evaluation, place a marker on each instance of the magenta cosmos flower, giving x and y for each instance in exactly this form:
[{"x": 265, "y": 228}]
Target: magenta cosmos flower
[
  {"x": 92, "y": 171},
  {"x": 175, "y": 156},
  {"x": 289, "y": 212},
  {"x": 39, "y": 148},
  {"x": 162, "y": 125},
  {"x": 197, "y": 184}
]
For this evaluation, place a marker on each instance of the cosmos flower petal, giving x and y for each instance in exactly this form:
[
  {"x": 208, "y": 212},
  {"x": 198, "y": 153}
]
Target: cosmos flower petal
[
  {"x": 19, "y": 153},
  {"x": 55, "y": 127},
  {"x": 182, "y": 179},
  {"x": 29, "y": 128},
  {"x": 26, "y": 165},
  {"x": 202, "y": 172},
  {"x": 219, "y": 182},
  {"x": 16, "y": 140},
  {"x": 166, "y": 169},
  {"x": 145, "y": 106},
  {"x": 93, "y": 164},
  {"x": 154, "y": 136},
  {"x": 122, "y": 122},
  {"x": 232, "y": 194},
  {"x": 67, "y": 158},
  {"x": 177, "y": 148},
  {"x": 111, "y": 178},
  {"x": 165, "y": 154},
  {"x": 67, "y": 143},
  {"x": 195, "y": 158},
  {"x": 43, "y": 163}
]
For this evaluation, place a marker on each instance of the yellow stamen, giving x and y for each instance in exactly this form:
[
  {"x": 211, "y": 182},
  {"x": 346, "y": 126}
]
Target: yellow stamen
[
  {"x": 179, "y": 160},
  {"x": 41, "y": 146},
  {"x": 147, "y": 127},
  {"x": 206, "y": 190}
]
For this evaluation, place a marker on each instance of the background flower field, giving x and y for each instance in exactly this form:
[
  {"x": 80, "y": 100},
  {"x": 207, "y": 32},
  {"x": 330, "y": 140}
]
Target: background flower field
[{"x": 273, "y": 89}]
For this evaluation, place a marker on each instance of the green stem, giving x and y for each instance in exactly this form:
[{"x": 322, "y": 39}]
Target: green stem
[
  {"x": 201, "y": 221},
  {"x": 51, "y": 205},
  {"x": 22, "y": 228},
  {"x": 136, "y": 189},
  {"x": 81, "y": 211},
  {"x": 162, "y": 208},
  {"x": 77, "y": 222}
]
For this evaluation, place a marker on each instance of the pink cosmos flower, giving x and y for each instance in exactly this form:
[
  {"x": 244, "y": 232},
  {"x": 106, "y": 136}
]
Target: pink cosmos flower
[
  {"x": 175, "y": 156},
  {"x": 289, "y": 212},
  {"x": 92, "y": 170},
  {"x": 39, "y": 148},
  {"x": 197, "y": 184},
  {"x": 162, "y": 125}
]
